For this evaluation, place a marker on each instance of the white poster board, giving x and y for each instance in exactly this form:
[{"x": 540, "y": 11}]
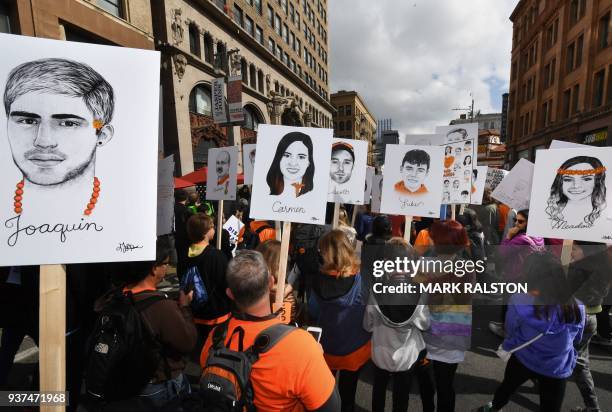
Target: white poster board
[
  {"x": 222, "y": 173},
  {"x": 248, "y": 162},
  {"x": 494, "y": 177},
  {"x": 561, "y": 144},
  {"x": 569, "y": 194},
  {"x": 291, "y": 174},
  {"x": 412, "y": 180},
  {"x": 425, "y": 139},
  {"x": 347, "y": 171},
  {"x": 459, "y": 159},
  {"x": 479, "y": 176},
  {"x": 377, "y": 189},
  {"x": 165, "y": 195},
  {"x": 233, "y": 227},
  {"x": 368, "y": 185},
  {"x": 73, "y": 152},
  {"x": 515, "y": 189}
]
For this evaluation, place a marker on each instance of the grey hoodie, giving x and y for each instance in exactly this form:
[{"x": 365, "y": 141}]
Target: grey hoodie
[{"x": 395, "y": 345}]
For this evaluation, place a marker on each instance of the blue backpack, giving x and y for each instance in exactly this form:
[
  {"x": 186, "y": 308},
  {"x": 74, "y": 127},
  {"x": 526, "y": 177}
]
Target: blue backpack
[{"x": 200, "y": 295}]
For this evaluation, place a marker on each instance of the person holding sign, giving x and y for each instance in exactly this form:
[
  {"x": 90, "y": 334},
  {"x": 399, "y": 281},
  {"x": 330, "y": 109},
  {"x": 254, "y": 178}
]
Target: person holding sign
[
  {"x": 292, "y": 170},
  {"x": 59, "y": 113}
]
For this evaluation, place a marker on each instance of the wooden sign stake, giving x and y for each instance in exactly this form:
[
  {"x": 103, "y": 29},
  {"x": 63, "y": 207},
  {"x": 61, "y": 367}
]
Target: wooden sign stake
[
  {"x": 277, "y": 228},
  {"x": 52, "y": 331},
  {"x": 566, "y": 253},
  {"x": 282, "y": 264},
  {"x": 461, "y": 209},
  {"x": 336, "y": 215},
  {"x": 453, "y": 211},
  {"x": 354, "y": 215},
  {"x": 407, "y": 228},
  {"x": 220, "y": 224}
]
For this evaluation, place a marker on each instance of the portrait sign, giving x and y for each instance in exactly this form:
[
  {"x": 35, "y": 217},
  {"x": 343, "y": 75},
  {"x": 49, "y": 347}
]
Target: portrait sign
[
  {"x": 515, "y": 189},
  {"x": 412, "y": 177},
  {"x": 248, "y": 162},
  {"x": 165, "y": 196},
  {"x": 368, "y": 185},
  {"x": 377, "y": 189},
  {"x": 494, "y": 177},
  {"x": 479, "y": 176},
  {"x": 569, "y": 194},
  {"x": 291, "y": 174},
  {"x": 347, "y": 171},
  {"x": 459, "y": 161},
  {"x": 78, "y": 152},
  {"x": 425, "y": 139},
  {"x": 222, "y": 173}
]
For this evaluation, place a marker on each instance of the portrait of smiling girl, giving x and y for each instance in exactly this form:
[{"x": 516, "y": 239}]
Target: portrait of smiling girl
[
  {"x": 292, "y": 171},
  {"x": 578, "y": 193}
]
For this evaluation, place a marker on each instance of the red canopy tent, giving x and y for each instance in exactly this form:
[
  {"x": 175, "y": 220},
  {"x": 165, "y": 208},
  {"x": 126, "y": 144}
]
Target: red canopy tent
[{"x": 197, "y": 177}]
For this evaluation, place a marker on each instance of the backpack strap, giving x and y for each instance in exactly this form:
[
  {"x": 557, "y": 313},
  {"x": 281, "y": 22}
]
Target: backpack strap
[
  {"x": 267, "y": 339},
  {"x": 262, "y": 228},
  {"x": 219, "y": 334},
  {"x": 144, "y": 303}
]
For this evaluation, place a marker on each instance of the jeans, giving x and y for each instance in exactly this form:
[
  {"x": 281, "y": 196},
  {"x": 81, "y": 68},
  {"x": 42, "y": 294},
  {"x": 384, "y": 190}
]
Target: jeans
[
  {"x": 444, "y": 374},
  {"x": 582, "y": 372},
  {"x": 160, "y": 394},
  {"x": 552, "y": 390}
]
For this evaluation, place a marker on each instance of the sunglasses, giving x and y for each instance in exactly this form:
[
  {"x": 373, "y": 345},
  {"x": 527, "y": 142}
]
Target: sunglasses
[{"x": 519, "y": 221}]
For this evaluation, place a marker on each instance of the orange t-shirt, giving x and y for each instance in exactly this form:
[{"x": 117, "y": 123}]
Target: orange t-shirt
[
  {"x": 292, "y": 376},
  {"x": 503, "y": 216},
  {"x": 401, "y": 188},
  {"x": 266, "y": 234},
  {"x": 423, "y": 241}
]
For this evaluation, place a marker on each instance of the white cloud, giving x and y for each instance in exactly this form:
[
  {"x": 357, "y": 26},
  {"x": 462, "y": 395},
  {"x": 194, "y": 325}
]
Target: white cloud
[{"x": 414, "y": 61}]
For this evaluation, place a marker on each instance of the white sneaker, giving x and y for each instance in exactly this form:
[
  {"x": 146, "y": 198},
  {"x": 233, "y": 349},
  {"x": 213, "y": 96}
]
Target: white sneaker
[{"x": 497, "y": 328}]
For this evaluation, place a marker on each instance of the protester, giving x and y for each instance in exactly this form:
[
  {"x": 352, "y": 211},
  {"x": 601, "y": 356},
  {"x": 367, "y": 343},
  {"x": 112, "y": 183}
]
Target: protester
[
  {"x": 547, "y": 322},
  {"x": 396, "y": 322},
  {"x": 381, "y": 231},
  {"x": 345, "y": 226},
  {"x": 212, "y": 265},
  {"x": 505, "y": 215},
  {"x": 451, "y": 314},
  {"x": 515, "y": 247},
  {"x": 171, "y": 323},
  {"x": 193, "y": 202},
  {"x": 589, "y": 279},
  {"x": 181, "y": 240},
  {"x": 423, "y": 242},
  {"x": 255, "y": 232},
  {"x": 292, "y": 375},
  {"x": 363, "y": 222},
  {"x": 488, "y": 216},
  {"x": 270, "y": 250},
  {"x": 338, "y": 291},
  {"x": 471, "y": 223}
]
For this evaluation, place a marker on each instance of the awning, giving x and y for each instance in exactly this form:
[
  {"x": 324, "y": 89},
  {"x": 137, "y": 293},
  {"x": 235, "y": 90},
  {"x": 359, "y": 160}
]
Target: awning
[{"x": 197, "y": 177}]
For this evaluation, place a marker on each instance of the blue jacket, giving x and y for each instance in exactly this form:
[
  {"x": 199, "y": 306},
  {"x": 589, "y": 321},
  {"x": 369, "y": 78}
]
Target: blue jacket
[{"x": 553, "y": 354}]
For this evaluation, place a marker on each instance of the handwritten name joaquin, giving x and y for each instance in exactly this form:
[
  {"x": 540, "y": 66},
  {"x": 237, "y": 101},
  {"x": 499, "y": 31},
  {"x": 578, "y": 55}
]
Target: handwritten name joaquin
[{"x": 61, "y": 229}]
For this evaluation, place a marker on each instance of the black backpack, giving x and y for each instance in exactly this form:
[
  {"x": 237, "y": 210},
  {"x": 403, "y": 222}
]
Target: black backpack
[
  {"x": 225, "y": 384},
  {"x": 122, "y": 354},
  {"x": 250, "y": 238}
]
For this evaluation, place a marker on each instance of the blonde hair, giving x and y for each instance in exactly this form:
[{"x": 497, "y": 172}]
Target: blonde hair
[
  {"x": 270, "y": 249},
  {"x": 342, "y": 217},
  {"x": 337, "y": 254}
]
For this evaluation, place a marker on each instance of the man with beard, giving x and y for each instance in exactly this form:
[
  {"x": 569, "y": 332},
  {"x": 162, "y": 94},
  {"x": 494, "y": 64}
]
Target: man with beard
[{"x": 342, "y": 163}]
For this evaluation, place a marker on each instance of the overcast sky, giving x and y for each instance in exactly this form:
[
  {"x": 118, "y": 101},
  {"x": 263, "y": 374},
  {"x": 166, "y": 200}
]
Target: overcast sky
[{"x": 415, "y": 60}]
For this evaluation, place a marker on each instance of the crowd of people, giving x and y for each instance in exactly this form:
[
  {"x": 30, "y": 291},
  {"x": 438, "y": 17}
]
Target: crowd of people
[{"x": 227, "y": 313}]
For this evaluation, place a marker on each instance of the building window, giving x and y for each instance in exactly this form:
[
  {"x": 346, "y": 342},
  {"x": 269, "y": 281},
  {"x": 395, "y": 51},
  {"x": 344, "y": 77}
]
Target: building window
[
  {"x": 569, "y": 58},
  {"x": 341, "y": 111},
  {"x": 238, "y": 18},
  {"x": 545, "y": 113},
  {"x": 208, "y": 48},
  {"x": 551, "y": 34},
  {"x": 348, "y": 110},
  {"x": 270, "y": 17},
  {"x": 248, "y": 26},
  {"x": 566, "y": 103},
  {"x": 277, "y": 24},
  {"x": 577, "y": 10},
  {"x": 5, "y": 26},
  {"x": 244, "y": 71},
  {"x": 292, "y": 13},
  {"x": 253, "y": 76},
  {"x": 259, "y": 34},
  {"x": 549, "y": 74},
  {"x": 348, "y": 123},
  {"x": 251, "y": 119},
  {"x": 598, "y": 88},
  {"x": 260, "y": 81},
  {"x": 271, "y": 45},
  {"x": 341, "y": 126},
  {"x": 603, "y": 32},
  {"x": 221, "y": 57},
  {"x": 286, "y": 58},
  {"x": 194, "y": 40},
  {"x": 579, "y": 46},
  {"x": 257, "y": 5},
  {"x": 609, "y": 97},
  {"x": 279, "y": 52},
  {"x": 284, "y": 6},
  {"x": 575, "y": 95},
  {"x": 200, "y": 101},
  {"x": 286, "y": 33},
  {"x": 111, "y": 6}
]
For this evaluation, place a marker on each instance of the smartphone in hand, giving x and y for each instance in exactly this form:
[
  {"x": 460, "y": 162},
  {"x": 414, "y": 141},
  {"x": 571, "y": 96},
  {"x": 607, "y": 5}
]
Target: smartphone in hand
[{"x": 315, "y": 331}]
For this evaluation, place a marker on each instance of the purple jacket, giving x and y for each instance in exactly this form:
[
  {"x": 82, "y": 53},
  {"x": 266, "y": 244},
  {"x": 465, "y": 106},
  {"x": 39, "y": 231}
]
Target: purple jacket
[{"x": 514, "y": 251}]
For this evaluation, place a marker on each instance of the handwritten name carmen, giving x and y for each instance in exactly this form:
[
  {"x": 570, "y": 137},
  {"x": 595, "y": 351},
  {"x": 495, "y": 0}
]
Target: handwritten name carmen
[{"x": 62, "y": 229}]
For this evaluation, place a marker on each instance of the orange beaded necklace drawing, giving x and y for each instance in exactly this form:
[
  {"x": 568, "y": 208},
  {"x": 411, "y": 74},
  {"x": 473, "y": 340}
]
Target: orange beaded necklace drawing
[{"x": 93, "y": 200}]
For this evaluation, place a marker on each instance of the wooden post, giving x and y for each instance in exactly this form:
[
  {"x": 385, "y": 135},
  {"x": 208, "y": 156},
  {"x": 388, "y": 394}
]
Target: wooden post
[
  {"x": 52, "y": 331},
  {"x": 282, "y": 264},
  {"x": 453, "y": 211},
  {"x": 277, "y": 228},
  {"x": 219, "y": 224},
  {"x": 354, "y": 216},
  {"x": 336, "y": 215},
  {"x": 461, "y": 209},
  {"x": 566, "y": 253},
  {"x": 407, "y": 228}
]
